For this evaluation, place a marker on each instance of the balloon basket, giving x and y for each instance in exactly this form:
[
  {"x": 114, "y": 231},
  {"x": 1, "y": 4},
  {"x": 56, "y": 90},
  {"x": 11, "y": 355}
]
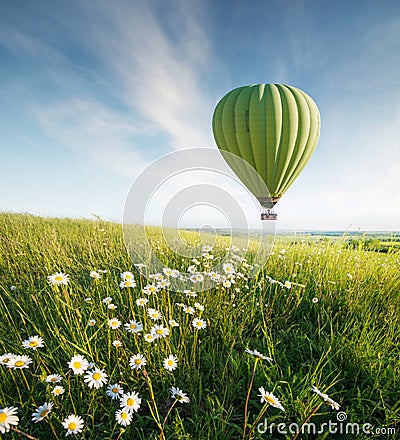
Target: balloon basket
[{"x": 269, "y": 215}]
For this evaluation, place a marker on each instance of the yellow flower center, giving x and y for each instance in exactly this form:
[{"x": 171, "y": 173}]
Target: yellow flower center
[
  {"x": 269, "y": 399},
  {"x": 170, "y": 362},
  {"x": 128, "y": 277},
  {"x": 57, "y": 391},
  {"x": 138, "y": 361},
  {"x": 72, "y": 426},
  {"x": 3, "y": 417},
  {"x": 133, "y": 326},
  {"x": 199, "y": 324},
  {"x": 115, "y": 390},
  {"x": 124, "y": 415},
  {"x": 77, "y": 365},
  {"x": 130, "y": 401},
  {"x": 96, "y": 376},
  {"x": 159, "y": 331},
  {"x": 154, "y": 315},
  {"x": 19, "y": 363},
  {"x": 53, "y": 379},
  {"x": 33, "y": 343},
  {"x": 113, "y": 323},
  {"x": 44, "y": 413},
  {"x": 58, "y": 278}
]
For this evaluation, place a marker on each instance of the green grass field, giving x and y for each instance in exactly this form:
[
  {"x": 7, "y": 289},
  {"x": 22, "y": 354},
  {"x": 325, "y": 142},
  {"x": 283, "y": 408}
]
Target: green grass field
[{"x": 326, "y": 314}]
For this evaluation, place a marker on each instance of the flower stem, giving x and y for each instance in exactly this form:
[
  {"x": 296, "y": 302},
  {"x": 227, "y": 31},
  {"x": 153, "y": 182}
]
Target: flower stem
[
  {"x": 247, "y": 399},
  {"x": 165, "y": 420},
  {"x": 307, "y": 419}
]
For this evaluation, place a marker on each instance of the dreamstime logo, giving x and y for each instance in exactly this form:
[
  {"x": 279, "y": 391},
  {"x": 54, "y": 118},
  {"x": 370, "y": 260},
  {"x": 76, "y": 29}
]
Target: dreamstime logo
[
  {"x": 340, "y": 426},
  {"x": 207, "y": 216}
]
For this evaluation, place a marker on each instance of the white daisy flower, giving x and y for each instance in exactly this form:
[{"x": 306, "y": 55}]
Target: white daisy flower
[
  {"x": 326, "y": 398},
  {"x": 167, "y": 271},
  {"x": 127, "y": 276},
  {"x": 189, "y": 309},
  {"x": 179, "y": 395},
  {"x": 114, "y": 323},
  {"x": 78, "y": 364},
  {"x": 123, "y": 417},
  {"x": 95, "y": 378},
  {"x": 228, "y": 268},
  {"x": 214, "y": 276},
  {"x": 53, "y": 378},
  {"x": 73, "y": 424},
  {"x": 175, "y": 273},
  {"x": 206, "y": 248},
  {"x": 170, "y": 363},
  {"x": 125, "y": 284},
  {"x": 33, "y": 342},
  {"x": 13, "y": 288},
  {"x": 189, "y": 293},
  {"x": 58, "y": 390},
  {"x": 288, "y": 284},
  {"x": 259, "y": 355},
  {"x": 92, "y": 322},
  {"x": 192, "y": 269},
  {"x": 133, "y": 326},
  {"x": 18, "y": 362},
  {"x": 199, "y": 323},
  {"x": 137, "y": 361},
  {"x": 117, "y": 343},
  {"x": 41, "y": 412},
  {"x": 114, "y": 391},
  {"x": 107, "y": 300},
  {"x": 199, "y": 307},
  {"x": 154, "y": 314},
  {"x": 95, "y": 275},
  {"x": 141, "y": 302},
  {"x": 163, "y": 284},
  {"x": 111, "y": 306},
  {"x": 199, "y": 277},
  {"x": 7, "y": 418},
  {"x": 130, "y": 401},
  {"x": 315, "y": 300},
  {"x": 139, "y": 265},
  {"x": 173, "y": 323},
  {"x": 150, "y": 289},
  {"x": 148, "y": 337},
  {"x": 156, "y": 276},
  {"x": 6, "y": 358},
  {"x": 226, "y": 283},
  {"x": 269, "y": 398},
  {"x": 58, "y": 278},
  {"x": 159, "y": 331}
]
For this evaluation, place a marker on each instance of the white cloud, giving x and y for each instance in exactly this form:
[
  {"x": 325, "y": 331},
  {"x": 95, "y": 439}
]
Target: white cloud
[{"x": 160, "y": 69}]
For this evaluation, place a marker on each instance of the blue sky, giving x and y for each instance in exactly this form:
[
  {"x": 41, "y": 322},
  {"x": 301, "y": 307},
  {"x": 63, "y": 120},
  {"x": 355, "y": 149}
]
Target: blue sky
[{"x": 93, "y": 92}]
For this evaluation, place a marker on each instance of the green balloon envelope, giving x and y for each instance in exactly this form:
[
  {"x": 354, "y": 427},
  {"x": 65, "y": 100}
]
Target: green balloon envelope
[{"x": 274, "y": 128}]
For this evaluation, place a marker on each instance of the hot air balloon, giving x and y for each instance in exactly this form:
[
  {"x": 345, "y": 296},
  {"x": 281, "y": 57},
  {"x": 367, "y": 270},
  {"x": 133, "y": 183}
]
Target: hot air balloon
[{"x": 275, "y": 129}]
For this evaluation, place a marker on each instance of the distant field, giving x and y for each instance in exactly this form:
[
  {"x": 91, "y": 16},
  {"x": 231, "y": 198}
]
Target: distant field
[{"x": 326, "y": 311}]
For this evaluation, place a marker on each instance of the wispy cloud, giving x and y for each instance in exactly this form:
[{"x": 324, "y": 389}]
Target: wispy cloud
[
  {"x": 151, "y": 71},
  {"x": 161, "y": 68}
]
